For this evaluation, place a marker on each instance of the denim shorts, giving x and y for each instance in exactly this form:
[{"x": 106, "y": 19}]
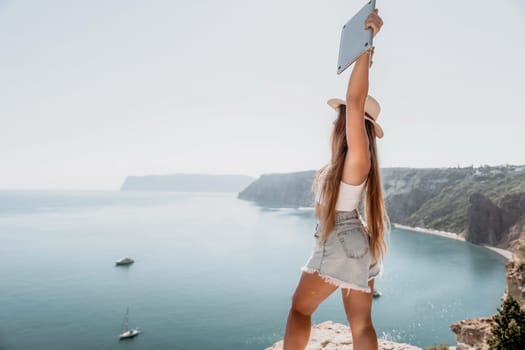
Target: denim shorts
[{"x": 344, "y": 258}]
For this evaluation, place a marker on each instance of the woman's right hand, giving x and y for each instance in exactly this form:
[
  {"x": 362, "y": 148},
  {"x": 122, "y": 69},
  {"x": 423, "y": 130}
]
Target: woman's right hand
[{"x": 374, "y": 21}]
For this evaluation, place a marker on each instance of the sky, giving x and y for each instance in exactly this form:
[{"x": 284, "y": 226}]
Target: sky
[{"x": 94, "y": 91}]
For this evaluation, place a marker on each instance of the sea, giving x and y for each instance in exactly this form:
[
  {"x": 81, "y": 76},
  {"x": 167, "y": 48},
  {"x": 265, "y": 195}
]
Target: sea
[{"x": 211, "y": 271}]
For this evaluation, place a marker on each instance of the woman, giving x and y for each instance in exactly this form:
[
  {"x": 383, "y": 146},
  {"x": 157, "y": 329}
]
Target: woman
[{"x": 347, "y": 253}]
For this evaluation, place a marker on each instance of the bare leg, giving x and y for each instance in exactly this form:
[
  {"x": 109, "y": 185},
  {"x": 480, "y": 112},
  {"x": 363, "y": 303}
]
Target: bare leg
[
  {"x": 310, "y": 292},
  {"x": 358, "y": 308}
]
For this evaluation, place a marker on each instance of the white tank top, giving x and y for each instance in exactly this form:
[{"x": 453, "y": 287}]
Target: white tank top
[{"x": 349, "y": 195}]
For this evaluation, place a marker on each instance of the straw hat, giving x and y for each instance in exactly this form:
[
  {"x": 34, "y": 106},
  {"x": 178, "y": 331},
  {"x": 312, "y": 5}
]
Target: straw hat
[{"x": 372, "y": 108}]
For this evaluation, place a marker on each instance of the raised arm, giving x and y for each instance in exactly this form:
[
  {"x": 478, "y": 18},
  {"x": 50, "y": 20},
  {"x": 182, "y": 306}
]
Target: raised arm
[
  {"x": 356, "y": 94},
  {"x": 357, "y": 91}
]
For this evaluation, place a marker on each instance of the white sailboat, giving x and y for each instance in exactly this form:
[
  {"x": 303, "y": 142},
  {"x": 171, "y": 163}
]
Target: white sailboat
[{"x": 128, "y": 333}]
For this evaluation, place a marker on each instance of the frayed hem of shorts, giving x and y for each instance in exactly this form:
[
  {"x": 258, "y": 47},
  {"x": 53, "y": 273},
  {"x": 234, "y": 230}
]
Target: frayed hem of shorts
[
  {"x": 337, "y": 282},
  {"x": 379, "y": 274}
]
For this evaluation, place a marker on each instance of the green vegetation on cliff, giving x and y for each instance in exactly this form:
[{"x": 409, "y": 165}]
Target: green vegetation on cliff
[
  {"x": 508, "y": 331},
  {"x": 480, "y": 203}
]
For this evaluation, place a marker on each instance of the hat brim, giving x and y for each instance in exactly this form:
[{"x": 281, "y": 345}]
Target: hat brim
[
  {"x": 336, "y": 102},
  {"x": 377, "y": 127}
]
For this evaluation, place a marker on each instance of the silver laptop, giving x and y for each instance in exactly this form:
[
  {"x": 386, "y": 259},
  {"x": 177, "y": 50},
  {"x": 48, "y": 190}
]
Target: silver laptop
[{"x": 355, "y": 39}]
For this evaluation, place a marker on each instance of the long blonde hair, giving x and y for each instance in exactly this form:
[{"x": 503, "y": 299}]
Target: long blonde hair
[{"x": 376, "y": 216}]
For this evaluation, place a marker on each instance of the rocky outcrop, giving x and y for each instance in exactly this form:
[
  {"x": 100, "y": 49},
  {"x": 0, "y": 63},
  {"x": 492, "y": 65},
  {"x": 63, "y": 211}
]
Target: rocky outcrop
[
  {"x": 519, "y": 251},
  {"x": 484, "y": 221},
  {"x": 516, "y": 273},
  {"x": 408, "y": 190},
  {"x": 515, "y": 232},
  {"x": 516, "y": 282},
  {"x": 329, "y": 335},
  {"x": 187, "y": 183},
  {"x": 282, "y": 190},
  {"x": 473, "y": 333},
  {"x": 512, "y": 208},
  {"x": 489, "y": 223}
]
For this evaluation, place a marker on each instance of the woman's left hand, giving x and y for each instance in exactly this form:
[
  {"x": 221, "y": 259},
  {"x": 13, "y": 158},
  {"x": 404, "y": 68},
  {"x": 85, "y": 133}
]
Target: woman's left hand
[{"x": 374, "y": 21}]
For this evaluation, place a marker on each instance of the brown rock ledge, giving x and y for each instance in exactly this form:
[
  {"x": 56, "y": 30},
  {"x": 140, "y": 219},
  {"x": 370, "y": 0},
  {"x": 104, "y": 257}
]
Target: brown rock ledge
[
  {"x": 329, "y": 335},
  {"x": 472, "y": 333}
]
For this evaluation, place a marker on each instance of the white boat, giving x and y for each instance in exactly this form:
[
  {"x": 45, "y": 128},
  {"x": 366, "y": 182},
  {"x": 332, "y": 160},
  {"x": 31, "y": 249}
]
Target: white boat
[
  {"x": 128, "y": 333},
  {"x": 124, "y": 261},
  {"x": 377, "y": 293}
]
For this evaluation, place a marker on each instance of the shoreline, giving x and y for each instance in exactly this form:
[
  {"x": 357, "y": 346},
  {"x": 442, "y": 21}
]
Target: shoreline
[{"x": 504, "y": 252}]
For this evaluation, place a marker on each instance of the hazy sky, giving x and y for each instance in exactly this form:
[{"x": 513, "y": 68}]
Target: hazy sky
[{"x": 93, "y": 91}]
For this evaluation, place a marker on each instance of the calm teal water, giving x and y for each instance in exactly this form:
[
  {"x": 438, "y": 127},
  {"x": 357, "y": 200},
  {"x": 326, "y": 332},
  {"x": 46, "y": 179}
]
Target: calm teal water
[{"x": 211, "y": 272}]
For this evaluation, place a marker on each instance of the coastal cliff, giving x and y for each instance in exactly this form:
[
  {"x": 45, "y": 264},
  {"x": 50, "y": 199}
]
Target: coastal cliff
[
  {"x": 281, "y": 189},
  {"x": 485, "y": 205},
  {"x": 495, "y": 224}
]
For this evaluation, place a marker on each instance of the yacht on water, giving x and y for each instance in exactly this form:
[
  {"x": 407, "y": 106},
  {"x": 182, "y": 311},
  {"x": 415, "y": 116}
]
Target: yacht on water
[
  {"x": 124, "y": 261},
  {"x": 128, "y": 333}
]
